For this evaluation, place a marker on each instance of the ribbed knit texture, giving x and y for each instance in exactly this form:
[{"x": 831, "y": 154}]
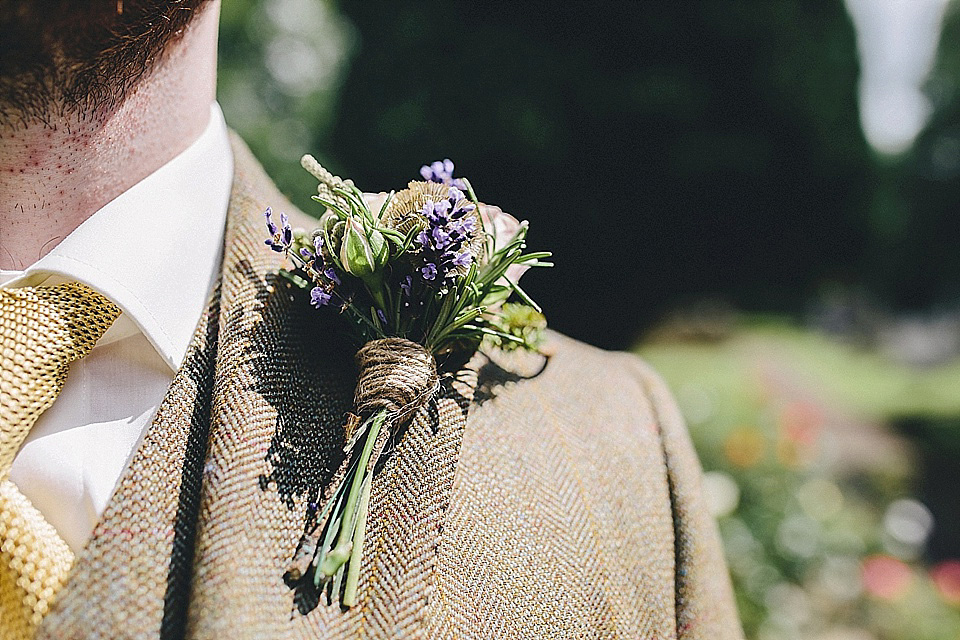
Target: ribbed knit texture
[{"x": 42, "y": 330}]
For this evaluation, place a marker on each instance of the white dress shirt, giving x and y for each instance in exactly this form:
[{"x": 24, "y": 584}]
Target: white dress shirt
[{"x": 155, "y": 251}]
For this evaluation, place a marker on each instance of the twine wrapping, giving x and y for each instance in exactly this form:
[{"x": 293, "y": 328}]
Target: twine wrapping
[{"x": 395, "y": 374}]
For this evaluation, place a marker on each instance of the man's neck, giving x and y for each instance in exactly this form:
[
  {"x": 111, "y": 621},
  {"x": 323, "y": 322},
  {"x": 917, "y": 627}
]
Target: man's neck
[{"x": 54, "y": 176}]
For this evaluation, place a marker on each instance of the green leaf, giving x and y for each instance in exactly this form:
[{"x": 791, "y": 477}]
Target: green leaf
[
  {"x": 332, "y": 206},
  {"x": 493, "y": 332},
  {"x": 539, "y": 255},
  {"x": 523, "y": 295},
  {"x": 383, "y": 208}
]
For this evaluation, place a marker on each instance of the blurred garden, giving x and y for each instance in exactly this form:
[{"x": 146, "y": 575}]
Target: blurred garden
[{"x": 765, "y": 195}]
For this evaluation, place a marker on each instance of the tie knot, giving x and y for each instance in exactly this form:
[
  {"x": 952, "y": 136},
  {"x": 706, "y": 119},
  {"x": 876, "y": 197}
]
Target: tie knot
[
  {"x": 42, "y": 330},
  {"x": 65, "y": 321}
]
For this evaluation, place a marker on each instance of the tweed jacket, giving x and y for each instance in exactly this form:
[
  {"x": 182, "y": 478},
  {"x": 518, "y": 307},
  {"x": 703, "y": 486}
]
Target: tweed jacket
[{"x": 530, "y": 500}]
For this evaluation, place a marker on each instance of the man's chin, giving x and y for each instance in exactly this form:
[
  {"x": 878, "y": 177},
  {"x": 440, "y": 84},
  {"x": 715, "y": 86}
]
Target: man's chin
[{"x": 80, "y": 56}]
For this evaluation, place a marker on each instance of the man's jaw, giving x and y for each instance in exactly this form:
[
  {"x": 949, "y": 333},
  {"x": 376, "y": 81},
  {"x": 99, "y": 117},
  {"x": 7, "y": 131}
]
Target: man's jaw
[{"x": 56, "y": 173}]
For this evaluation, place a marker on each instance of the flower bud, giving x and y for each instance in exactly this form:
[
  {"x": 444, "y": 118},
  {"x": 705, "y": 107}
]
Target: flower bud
[{"x": 362, "y": 254}]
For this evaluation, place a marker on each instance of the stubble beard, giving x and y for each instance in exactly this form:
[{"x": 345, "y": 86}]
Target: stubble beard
[{"x": 79, "y": 59}]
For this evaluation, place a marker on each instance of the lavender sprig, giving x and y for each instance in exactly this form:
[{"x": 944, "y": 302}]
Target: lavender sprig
[
  {"x": 281, "y": 239},
  {"x": 441, "y": 171},
  {"x": 443, "y": 241}
]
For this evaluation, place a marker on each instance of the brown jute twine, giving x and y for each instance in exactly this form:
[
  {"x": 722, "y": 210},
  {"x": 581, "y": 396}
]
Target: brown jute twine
[{"x": 395, "y": 374}]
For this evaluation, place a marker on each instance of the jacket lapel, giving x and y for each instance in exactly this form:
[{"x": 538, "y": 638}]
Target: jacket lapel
[
  {"x": 281, "y": 389},
  {"x": 284, "y": 380},
  {"x": 121, "y": 584}
]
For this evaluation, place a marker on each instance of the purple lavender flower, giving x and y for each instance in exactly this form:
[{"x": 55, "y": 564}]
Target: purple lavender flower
[
  {"x": 319, "y": 297},
  {"x": 463, "y": 226},
  {"x": 331, "y": 274},
  {"x": 441, "y": 171},
  {"x": 457, "y": 203},
  {"x": 440, "y": 237},
  {"x": 382, "y": 316},
  {"x": 281, "y": 238},
  {"x": 445, "y": 236},
  {"x": 462, "y": 259},
  {"x": 436, "y": 212},
  {"x": 407, "y": 285}
]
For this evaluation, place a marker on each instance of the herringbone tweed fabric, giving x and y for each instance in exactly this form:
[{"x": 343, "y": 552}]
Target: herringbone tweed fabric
[{"x": 562, "y": 503}]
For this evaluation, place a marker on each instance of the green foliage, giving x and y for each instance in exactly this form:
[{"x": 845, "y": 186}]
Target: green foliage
[
  {"x": 281, "y": 66},
  {"x": 442, "y": 312},
  {"x": 845, "y": 376},
  {"x": 521, "y": 321}
]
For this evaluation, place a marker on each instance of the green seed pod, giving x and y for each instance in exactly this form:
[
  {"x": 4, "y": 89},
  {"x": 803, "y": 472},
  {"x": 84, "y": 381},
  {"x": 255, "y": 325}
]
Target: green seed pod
[{"x": 361, "y": 254}]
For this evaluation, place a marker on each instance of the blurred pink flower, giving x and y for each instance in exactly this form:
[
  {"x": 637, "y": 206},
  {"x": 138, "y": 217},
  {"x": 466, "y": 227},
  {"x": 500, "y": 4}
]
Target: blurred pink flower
[
  {"x": 801, "y": 423},
  {"x": 885, "y": 577},
  {"x": 946, "y": 577}
]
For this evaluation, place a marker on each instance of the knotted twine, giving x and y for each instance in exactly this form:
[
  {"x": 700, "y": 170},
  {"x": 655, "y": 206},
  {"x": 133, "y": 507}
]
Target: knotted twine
[{"x": 396, "y": 375}]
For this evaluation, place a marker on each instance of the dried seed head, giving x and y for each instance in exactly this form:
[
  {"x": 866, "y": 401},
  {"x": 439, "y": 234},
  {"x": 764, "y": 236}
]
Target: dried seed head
[{"x": 404, "y": 212}]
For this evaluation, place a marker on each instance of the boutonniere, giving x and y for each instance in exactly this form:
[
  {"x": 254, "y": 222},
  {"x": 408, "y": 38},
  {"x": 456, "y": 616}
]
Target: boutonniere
[{"x": 417, "y": 275}]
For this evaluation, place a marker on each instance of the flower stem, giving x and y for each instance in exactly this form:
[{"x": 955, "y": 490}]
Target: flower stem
[
  {"x": 353, "y": 570},
  {"x": 375, "y": 289},
  {"x": 342, "y": 552}
]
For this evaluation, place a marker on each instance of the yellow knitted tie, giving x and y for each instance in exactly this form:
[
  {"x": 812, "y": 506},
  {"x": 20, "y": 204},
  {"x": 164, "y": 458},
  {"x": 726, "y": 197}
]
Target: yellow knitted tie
[{"x": 42, "y": 330}]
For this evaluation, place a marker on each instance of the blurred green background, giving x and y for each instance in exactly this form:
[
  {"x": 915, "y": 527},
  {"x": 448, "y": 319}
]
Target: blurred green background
[{"x": 760, "y": 197}]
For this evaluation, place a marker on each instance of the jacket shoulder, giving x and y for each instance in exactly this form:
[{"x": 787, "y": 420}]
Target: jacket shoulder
[
  {"x": 644, "y": 453},
  {"x": 251, "y": 183},
  {"x": 562, "y": 494},
  {"x": 581, "y": 379},
  {"x": 627, "y": 368}
]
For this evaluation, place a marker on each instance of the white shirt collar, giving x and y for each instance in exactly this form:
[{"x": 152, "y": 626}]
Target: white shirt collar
[{"x": 155, "y": 249}]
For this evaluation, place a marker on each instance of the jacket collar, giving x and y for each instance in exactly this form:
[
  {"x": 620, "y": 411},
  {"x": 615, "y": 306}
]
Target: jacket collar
[{"x": 125, "y": 571}]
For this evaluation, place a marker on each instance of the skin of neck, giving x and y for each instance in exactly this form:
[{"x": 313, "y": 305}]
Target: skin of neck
[{"x": 54, "y": 176}]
